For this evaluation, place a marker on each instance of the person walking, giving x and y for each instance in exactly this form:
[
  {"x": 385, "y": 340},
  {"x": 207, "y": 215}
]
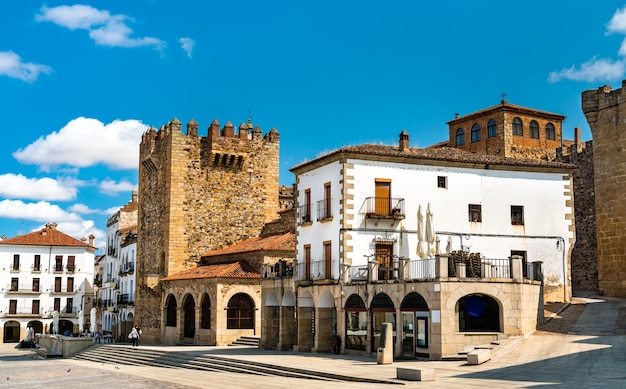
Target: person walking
[{"x": 134, "y": 337}]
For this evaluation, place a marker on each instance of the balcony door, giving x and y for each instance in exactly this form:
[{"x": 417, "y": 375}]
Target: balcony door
[
  {"x": 384, "y": 255},
  {"x": 382, "y": 203}
]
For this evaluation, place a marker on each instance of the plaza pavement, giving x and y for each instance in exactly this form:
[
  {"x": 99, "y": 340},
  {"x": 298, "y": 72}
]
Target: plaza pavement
[{"x": 592, "y": 355}]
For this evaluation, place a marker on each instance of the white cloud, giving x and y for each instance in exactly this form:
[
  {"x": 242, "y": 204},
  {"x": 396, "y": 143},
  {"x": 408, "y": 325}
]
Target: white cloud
[
  {"x": 11, "y": 65},
  {"x": 187, "y": 44},
  {"x": 41, "y": 211},
  {"x": 86, "y": 142},
  {"x": 110, "y": 187},
  {"x": 104, "y": 28},
  {"x": 110, "y": 211},
  {"x": 618, "y": 22},
  {"x": 591, "y": 71},
  {"x": 81, "y": 209},
  {"x": 18, "y": 186}
]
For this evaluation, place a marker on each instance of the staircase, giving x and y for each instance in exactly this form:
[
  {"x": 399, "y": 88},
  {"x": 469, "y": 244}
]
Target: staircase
[
  {"x": 250, "y": 341},
  {"x": 497, "y": 348},
  {"x": 197, "y": 360}
]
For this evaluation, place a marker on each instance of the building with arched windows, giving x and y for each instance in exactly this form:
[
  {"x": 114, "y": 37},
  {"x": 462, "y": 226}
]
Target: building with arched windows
[
  {"x": 508, "y": 130},
  {"x": 450, "y": 247}
]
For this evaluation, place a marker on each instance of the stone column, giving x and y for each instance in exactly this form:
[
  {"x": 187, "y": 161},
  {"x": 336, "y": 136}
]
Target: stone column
[{"x": 516, "y": 268}]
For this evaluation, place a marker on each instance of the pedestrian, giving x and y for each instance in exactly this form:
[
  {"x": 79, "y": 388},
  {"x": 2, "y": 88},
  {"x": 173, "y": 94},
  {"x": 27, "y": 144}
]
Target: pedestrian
[
  {"x": 138, "y": 329},
  {"x": 134, "y": 337}
]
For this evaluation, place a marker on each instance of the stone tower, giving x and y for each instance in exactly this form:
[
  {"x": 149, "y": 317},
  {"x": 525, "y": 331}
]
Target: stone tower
[
  {"x": 198, "y": 194},
  {"x": 605, "y": 110}
]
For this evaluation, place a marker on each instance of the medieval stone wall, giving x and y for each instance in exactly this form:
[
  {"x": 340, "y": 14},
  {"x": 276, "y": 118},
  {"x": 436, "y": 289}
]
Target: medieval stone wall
[
  {"x": 584, "y": 253},
  {"x": 605, "y": 111},
  {"x": 198, "y": 194}
]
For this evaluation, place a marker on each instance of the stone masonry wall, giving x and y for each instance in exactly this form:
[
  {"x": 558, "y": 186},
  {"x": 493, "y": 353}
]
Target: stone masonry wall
[
  {"x": 584, "y": 253},
  {"x": 198, "y": 194},
  {"x": 605, "y": 111}
]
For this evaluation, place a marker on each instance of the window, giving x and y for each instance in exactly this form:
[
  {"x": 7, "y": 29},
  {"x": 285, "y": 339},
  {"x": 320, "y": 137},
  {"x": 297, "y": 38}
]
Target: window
[
  {"x": 205, "y": 321},
  {"x": 69, "y": 305},
  {"x": 14, "y": 284},
  {"x": 384, "y": 255},
  {"x": 57, "y": 304},
  {"x": 382, "y": 199},
  {"x": 170, "y": 315},
  {"x": 58, "y": 263},
  {"x": 550, "y": 133},
  {"x": 57, "y": 284},
  {"x": 442, "y": 182},
  {"x": 12, "y": 307},
  {"x": 16, "y": 262},
  {"x": 305, "y": 209},
  {"x": 328, "y": 258},
  {"x": 240, "y": 312},
  {"x": 476, "y": 133},
  {"x": 459, "y": 138},
  {"x": 517, "y": 127},
  {"x": 475, "y": 213},
  {"x": 517, "y": 215},
  {"x": 478, "y": 313},
  {"x": 35, "y": 307},
  {"x": 70, "y": 284},
  {"x": 534, "y": 129},
  {"x": 323, "y": 206},
  {"x": 36, "y": 285},
  {"x": 492, "y": 129},
  {"x": 37, "y": 263},
  {"x": 71, "y": 263}
]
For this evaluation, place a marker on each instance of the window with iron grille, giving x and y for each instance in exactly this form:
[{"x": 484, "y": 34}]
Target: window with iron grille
[
  {"x": 517, "y": 215},
  {"x": 475, "y": 213}
]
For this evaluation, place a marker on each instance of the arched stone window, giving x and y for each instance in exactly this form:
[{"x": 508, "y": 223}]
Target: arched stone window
[
  {"x": 240, "y": 312},
  {"x": 460, "y": 137},
  {"x": 550, "y": 133},
  {"x": 518, "y": 129},
  {"x": 476, "y": 133},
  {"x": 478, "y": 312},
  {"x": 189, "y": 324},
  {"x": 170, "y": 308},
  {"x": 492, "y": 128},
  {"x": 205, "y": 320},
  {"x": 534, "y": 129}
]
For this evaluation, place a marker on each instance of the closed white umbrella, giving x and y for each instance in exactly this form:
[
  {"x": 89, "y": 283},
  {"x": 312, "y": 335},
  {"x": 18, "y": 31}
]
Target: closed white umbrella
[
  {"x": 55, "y": 322},
  {"x": 81, "y": 320},
  {"x": 430, "y": 231},
  {"x": 422, "y": 252},
  {"x": 92, "y": 320}
]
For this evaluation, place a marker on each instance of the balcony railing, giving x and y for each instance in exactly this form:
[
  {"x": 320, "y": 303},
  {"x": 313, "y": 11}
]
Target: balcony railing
[
  {"x": 23, "y": 289},
  {"x": 323, "y": 209},
  {"x": 384, "y": 208},
  {"x": 304, "y": 214},
  {"x": 125, "y": 298},
  {"x": 317, "y": 271},
  {"x": 280, "y": 269},
  {"x": 127, "y": 268}
]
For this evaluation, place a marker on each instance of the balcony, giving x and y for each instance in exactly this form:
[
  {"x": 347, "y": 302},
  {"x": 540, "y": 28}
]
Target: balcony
[
  {"x": 384, "y": 208},
  {"x": 25, "y": 312},
  {"x": 23, "y": 289},
  {"x": 318, "y": 270},
  {"x": 323, "y": 210},
  {"x": 281, "y": 269},
  {"x": 304, "y": 214},
  {"x": 125, "y": 299},
  {"x": 127, "y": 268}
]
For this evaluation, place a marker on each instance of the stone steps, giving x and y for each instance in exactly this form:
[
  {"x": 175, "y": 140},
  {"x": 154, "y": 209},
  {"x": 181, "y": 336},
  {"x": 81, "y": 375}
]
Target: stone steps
[
  {"x": 246, "y": 341},
  {"x": 125, "y": 355}
]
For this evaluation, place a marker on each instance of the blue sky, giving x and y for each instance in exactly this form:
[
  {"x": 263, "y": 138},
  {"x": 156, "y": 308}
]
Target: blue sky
[{"x": 80, "y": 82}]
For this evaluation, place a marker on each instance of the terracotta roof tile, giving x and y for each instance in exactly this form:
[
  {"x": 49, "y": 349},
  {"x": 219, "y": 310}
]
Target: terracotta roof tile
[
  {"x": 433, "y": 155},
  {"x": 238, "y": 269},
  {"x": 45, "y": 237},
  {"x": 283, "y": 242}
]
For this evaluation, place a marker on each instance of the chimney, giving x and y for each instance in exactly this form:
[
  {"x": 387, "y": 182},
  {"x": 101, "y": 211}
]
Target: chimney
[
  {"x": 134, "y": 196},
  {"x": 91, "y": 238},
  {"x": 404, "y": 141}
]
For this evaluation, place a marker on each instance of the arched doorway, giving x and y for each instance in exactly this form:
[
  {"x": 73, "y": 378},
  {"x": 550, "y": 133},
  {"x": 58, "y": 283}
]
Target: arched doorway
[
  {"x": 66, "y": 327},
  {"x": 478, "y": 313},
  {"x": 36, "y": 325},
  {"x": 356, "y": 323},
  {"x": 414, "y": 325},
  {"x": 240, "y": 313},
  {"x": 11, "y": 332},
  {"x": 189, "y": 326},
  {"x": 205, "y": 321},
  {"x": 170, "y": 311},
  {"x": 383, "y": 311}
]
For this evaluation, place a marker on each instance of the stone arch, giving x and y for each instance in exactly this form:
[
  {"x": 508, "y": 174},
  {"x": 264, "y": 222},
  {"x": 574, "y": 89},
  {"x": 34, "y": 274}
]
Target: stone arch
[
  {"x": 170, "y": 311},
  {"x": 326, "y": 300},
  {"x": 414, "y": 302},
  {"x": 382, "y": 310},
  {"x": 271, "y": 300},
  {"x": 205, "y": 311},
  {"x": 189, "y": 316},
  {"x": 356, "y": 323},
  {"x": 305, "y": 299},
  {"x": 289, "y": 300},
  {"x": 479, "y": 313},
  {"x": 11, "y": 332},
  {"x": 36, "y": 325},
  {"x": 241, "y": 312}
]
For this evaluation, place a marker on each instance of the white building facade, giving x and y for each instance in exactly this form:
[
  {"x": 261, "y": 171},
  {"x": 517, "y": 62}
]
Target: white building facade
[
  {"x": 43, "y": 272},
  {"x": 494, "y": 232}
]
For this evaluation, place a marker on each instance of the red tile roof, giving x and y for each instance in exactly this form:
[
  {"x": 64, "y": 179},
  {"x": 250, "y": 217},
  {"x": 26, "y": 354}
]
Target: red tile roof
[
  {"x": 238, "y": 269},
  {"x": 47, "y": 236},
  {"x": 284, "y": 242}
]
